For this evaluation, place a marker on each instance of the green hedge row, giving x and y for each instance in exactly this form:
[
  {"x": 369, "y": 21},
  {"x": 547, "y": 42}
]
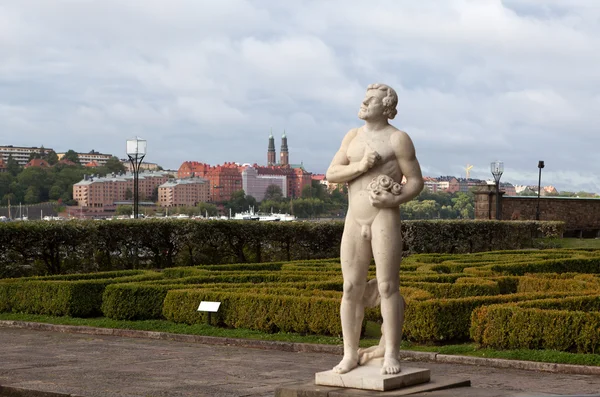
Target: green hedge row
[
  {"x": 34, "y": 248},
  {"x": 443, "y": 320},
  {"x": 269, "y": 313},
  {"x": 563, "y": 265},
  {"x": 440, "y": 304},
  {"x": 525, "y": 326},
  {"x": 142, "y": 301},
  {"x": 55, "y": 298},
  {"x": 77, "y": 295}
]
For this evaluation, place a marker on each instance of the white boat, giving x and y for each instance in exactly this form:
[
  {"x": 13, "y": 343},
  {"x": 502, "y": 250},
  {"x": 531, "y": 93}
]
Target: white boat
[
  {"x": 249, "y": 215},
  {"x": 180, "y": 216},
  {"x": 285, "y": 217},
  {"x": 268, "y": 218}
]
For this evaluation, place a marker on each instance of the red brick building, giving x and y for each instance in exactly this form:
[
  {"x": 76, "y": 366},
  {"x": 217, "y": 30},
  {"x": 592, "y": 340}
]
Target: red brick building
[
  {"x": 227, "y": 178},
  {"x": 224, "y": 179}
]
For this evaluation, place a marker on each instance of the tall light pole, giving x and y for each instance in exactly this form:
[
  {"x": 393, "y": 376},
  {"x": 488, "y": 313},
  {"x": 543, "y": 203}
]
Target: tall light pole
[
  {"x": 537, "y": 211},
  {"x": 497, "y": 168},
  {"x": 136, "y": 151}
]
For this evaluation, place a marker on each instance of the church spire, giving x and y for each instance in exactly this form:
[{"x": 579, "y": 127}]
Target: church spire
[
  {"x": 284, "y": 157},
  {"x": 271, "y": 150}
]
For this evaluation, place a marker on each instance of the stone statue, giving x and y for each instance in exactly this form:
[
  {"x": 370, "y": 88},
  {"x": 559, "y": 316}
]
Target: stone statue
[{"x": 373, "y": 159}]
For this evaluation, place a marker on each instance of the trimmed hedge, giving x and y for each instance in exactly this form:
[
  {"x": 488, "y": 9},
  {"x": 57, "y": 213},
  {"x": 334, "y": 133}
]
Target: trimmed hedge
[
  {"x": 444, "y": 320},
  {"x": 69, "y": 295},
  {"x": 304, "y": 296},
  {"x": 134, "y": 301},
  {"x": 33, "y": 248},
  {"x": 55, "y": 298},
  {"x": 514, "y": 327},
  {"x": 269, "y": 313}
]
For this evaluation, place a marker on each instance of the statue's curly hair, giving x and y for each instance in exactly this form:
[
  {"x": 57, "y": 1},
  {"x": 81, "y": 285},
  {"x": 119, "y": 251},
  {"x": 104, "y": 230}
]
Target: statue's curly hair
[{"x": 390, "y": 101}]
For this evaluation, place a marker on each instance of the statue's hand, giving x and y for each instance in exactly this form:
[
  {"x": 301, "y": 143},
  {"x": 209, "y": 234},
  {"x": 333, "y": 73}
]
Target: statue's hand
[
  {"x": 383, "y": 199},
  {"x": 369, "y": 159}
]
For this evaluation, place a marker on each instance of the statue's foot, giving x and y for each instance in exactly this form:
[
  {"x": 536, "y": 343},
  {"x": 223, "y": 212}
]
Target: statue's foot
[
  {"x": 346, "y": 365},
  {"x": 365, "y": 355},
  {"x": 390, "y": 366}
]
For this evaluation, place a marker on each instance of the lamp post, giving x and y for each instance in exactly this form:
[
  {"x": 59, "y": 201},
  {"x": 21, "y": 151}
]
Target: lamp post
[
  {"x": 537, "y": 211},
  {"x": 497, "y": 168},
  {"x": 136, "y": 151}
]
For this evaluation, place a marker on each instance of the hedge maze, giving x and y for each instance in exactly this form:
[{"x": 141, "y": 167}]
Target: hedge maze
[{"x": 537, "y": 299}]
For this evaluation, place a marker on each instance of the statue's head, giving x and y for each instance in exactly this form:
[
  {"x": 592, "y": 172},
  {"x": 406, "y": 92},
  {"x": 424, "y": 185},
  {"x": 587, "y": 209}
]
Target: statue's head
[{"x": 383, "y": 95}]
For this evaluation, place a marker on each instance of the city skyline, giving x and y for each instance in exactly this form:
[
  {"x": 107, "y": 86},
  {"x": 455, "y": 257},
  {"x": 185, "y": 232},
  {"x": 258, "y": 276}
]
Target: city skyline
[
  {"x": 478, "y": 81},
  {"x": 271, "y": 153}
]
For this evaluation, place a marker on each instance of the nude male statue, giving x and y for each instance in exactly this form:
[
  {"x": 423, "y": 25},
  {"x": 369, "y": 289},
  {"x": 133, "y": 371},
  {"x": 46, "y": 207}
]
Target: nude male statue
[{"x": 372, "y": 226}]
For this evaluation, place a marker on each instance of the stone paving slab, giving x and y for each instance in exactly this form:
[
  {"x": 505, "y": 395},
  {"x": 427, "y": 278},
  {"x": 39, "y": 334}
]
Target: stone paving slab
[{"x": 107, "y": 366}]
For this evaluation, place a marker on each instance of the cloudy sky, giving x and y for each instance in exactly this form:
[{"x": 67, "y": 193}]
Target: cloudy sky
[{"x": 478, "y": 80}]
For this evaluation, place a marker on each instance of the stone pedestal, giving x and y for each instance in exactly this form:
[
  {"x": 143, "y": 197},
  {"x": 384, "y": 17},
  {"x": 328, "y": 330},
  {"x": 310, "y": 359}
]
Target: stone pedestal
[{"x": 368, "y": 377}]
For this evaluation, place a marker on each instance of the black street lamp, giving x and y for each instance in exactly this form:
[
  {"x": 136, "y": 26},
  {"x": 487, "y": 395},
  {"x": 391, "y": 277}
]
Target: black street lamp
[
  {"x": 497, "y": 168},
  {"x": 136, "y": 151},
  {"x": 537, "y": 211}
]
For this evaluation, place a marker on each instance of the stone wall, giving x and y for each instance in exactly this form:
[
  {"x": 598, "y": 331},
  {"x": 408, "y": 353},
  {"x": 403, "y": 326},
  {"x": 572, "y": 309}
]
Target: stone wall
[{"x": 579, "y": 214}]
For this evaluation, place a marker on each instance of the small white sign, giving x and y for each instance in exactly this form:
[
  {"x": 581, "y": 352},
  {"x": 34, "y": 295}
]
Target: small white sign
[{"x": 206, "y": 306}]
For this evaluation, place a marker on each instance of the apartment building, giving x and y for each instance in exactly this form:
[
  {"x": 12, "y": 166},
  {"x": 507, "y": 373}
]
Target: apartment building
[
  {"x": 143, "y": 166},
  {"x": 100, "y": 192},
  {"x": 19, "y": 153},
  {"x": 256, "y": 185},
  {"x": 223, "y": 179},
  {"x": 184, "y": 192},
  {"x": 296, "y": 176},
  {"x": 89, "y": 157}
]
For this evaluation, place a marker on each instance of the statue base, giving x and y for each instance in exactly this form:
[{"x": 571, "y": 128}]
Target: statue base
[{"x": 369, "y": 377}]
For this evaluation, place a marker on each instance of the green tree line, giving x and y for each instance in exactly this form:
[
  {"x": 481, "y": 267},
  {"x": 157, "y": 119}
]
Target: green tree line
[
  {"x": 317, "y": 202},
  {"x": 34, "y": 185}
]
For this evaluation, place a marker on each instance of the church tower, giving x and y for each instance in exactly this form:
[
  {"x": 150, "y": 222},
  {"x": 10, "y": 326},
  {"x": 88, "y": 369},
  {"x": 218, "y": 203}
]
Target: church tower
[
  {"x": 271, "y": 150},
  {"x": 284, "y": 157}
]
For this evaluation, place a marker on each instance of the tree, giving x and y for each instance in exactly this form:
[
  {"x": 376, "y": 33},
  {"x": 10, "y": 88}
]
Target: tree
[
  {"x": 426, "y": 209},
  {"x": 464, "y": 205},
  {"x": 113, "y": 164},
  {"x": 273, "y": 193},
  {"x": 268, "y": 206},
  {"x": 51, "y": 157},
  {"x": 32, "y": 195},
  {"x": 40, "y": 179},
  {"x": 154, "y": 195},
  {"x": 124, "y": 210},
  {"x": 9, "y": 197},
  {"x": 5, "y": 180},
  {"x": 128, "y": 194},
  {"x": 239, "y": 202},
  {"x": 71, "y": 155},
  {"x": 315, "y": 190},
  {"x": 204, "y": 208},
  {"x": 55, "y": 192},
  {"x": 12, "y": 166}
]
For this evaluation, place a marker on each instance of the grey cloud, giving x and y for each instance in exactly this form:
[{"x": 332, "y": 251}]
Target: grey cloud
[{"x": 478, "y": 80}]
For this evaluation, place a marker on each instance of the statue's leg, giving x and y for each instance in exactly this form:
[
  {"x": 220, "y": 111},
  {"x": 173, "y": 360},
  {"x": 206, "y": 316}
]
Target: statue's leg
[
  {"x": 364, "y": 355},
  {"x": 355, "y": 257},
  {"x": 387, "y": 251}
]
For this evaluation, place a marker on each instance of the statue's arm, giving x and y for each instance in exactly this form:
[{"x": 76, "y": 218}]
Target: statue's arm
[
  {"x": 409, "y": 165},
  {"x": 341, "y": 170}
]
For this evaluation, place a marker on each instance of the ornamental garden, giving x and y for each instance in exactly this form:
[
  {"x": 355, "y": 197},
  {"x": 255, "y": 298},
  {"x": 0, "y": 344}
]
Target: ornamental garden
[{"x": 457, "y": 284}]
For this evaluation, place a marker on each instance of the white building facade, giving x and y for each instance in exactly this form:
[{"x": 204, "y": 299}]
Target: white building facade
[{"x": 256, "y": 185}]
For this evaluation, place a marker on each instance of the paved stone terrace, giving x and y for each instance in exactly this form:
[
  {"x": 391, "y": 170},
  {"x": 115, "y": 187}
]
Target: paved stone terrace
[{"x": 98, "y": 365}]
